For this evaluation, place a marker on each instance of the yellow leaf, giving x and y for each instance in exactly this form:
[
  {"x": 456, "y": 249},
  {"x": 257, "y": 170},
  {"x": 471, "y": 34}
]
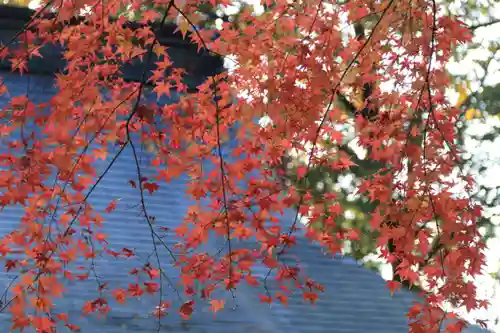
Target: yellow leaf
[
  {"x": 183, "y": 26},
  {"x": 19, "y": 3},
  {"x": 358, "y": 101},
  {"x": 471, "y": 114},
  {"x": 462, "y": 97}
]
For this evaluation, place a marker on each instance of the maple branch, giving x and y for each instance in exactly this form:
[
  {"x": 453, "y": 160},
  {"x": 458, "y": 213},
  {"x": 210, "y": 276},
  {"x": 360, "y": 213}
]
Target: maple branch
[
  {"x": 40, "y": 273},
  {"x": 437, "y": 245},
  {"x": 219, "y": 152},
  {"x": 69, "y": 227},
  {"x": 169, "y": 280},
  {"x": 93, "y": 268},
  {"x": 484, "y": 24},
  {"x": 436, "y": 123},
  {"x": 84, "y": 150},
  {"x": 71, "y": 223},
  {"x": 147, "y": 216},
  {"x": 129, "y": 139},
  {"x": 367, "y": 91},
  {"x": 87, "y": 146},
  {"x": 4, "y": 295},
  {"x": 223, "y": 184},
  {"x": 391, "y": 246},
  {"x": 138, "y": 168},
  {"x": 333, "y": 92},
  {"x": 431, "y": 111}
]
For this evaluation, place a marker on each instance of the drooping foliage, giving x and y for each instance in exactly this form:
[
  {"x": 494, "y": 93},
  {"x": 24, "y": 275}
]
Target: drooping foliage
[
  {"x": 295, "y": 65},
  {"x": 477, "y": 98}
]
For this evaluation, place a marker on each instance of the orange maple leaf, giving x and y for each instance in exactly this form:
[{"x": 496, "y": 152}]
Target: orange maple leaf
[
  {"x": 119, "y": 295},
  {"x": 216, "y": 305},
  {"x": 111, "y": 207},
  {"x": 162, "y": 89}
]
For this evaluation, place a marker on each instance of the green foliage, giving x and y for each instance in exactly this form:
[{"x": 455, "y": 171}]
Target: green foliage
[{"x": 489, "y": 100}]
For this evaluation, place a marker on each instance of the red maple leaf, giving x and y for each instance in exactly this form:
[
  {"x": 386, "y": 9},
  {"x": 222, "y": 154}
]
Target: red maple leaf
[
  {"x": 186, "y": 310},
  {"x": 151, "y": 187}
]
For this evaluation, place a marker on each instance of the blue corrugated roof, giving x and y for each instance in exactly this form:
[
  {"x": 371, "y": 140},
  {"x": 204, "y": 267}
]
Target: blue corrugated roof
[{"x": 355, "y": 299}]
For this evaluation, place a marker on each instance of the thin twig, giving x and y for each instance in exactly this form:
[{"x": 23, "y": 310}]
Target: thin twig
[
  {"x": 220, "y": 155},
  {"x": 484, "y": 24},
  {"x": 138, "y": 168}
]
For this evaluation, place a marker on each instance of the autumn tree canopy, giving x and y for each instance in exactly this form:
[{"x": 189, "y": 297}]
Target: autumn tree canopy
[{"x": 297, "y": 72}]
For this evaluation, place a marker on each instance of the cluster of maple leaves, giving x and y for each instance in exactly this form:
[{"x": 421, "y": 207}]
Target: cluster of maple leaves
[{"x": 291, "y": 63}]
